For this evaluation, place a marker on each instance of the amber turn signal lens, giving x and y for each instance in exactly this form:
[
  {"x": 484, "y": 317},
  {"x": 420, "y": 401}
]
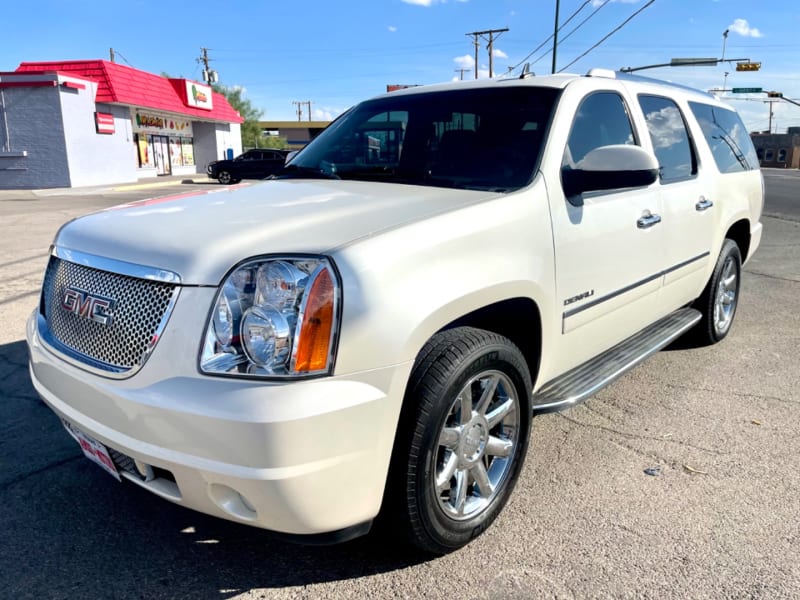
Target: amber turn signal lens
[{"x": 314, "y": 341}]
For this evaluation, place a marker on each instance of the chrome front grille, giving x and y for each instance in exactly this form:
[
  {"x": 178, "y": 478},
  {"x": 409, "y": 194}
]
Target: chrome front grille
[{"x": 119, "y": 338}]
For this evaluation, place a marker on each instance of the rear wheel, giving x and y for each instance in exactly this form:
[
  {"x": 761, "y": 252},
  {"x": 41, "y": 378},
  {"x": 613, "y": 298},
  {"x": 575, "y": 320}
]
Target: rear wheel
[
  {"x": 462, "y": 439},
  {"x": 720, "y": 298}
]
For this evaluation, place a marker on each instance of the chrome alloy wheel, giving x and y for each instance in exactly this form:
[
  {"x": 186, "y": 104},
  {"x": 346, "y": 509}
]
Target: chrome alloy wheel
[
  {"x": 477, "y": 443},
  {"x": 726, "y": 297}
]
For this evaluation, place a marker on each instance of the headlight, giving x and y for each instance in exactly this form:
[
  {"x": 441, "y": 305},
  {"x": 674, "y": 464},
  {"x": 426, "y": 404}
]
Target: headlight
[{"x": 274, "y": 317}]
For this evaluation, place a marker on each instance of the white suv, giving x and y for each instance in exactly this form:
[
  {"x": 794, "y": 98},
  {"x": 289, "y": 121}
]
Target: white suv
[{"x": 373, "y": 329}]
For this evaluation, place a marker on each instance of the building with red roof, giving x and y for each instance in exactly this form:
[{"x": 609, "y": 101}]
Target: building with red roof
[{"x": 95, "y": 122}]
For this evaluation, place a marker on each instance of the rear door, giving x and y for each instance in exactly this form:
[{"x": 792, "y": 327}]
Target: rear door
[{"x": 687, "y": 201}]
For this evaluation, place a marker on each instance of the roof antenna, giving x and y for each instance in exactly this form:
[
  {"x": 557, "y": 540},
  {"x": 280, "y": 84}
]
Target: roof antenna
[{"x": 526, "y": 71}]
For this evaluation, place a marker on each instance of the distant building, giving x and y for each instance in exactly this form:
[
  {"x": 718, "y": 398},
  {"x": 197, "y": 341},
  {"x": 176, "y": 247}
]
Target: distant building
[
  {"x": 778, "y": 150},
  {"x": 296, "y": 133},
  {"x": 95, "y": 122}
]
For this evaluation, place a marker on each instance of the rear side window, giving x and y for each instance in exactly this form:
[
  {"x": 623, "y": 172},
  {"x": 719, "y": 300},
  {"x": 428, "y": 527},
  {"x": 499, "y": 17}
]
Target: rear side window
[
  {"x": 727, "y": 137},
  {"x": 676, "y": 159}
]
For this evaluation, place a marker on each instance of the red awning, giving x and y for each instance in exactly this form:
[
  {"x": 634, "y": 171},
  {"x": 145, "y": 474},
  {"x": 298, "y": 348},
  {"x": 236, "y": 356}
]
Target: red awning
[{"x": 119, "y": 84}]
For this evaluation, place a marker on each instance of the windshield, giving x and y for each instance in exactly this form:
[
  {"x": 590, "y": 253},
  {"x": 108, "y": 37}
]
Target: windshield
[{"x": 485, "y": 139}]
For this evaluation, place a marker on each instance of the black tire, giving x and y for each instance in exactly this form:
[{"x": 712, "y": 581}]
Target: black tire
[
  {"x": 440, "y": 452},
  {"x": 720, "y": 298},
  {"x": 225, "y": 178}
]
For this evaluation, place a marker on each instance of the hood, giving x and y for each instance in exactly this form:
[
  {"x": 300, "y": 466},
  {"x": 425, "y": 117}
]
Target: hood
[{"x": 200, "y": 236}]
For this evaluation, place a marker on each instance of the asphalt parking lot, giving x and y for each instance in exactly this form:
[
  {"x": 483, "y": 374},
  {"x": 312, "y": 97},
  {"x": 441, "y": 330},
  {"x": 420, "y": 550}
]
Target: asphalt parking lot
[{"x": 720, "y": 426}]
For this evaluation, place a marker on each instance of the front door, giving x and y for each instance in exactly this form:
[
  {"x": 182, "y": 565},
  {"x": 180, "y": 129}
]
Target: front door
[{"x": 608, "y": 245}]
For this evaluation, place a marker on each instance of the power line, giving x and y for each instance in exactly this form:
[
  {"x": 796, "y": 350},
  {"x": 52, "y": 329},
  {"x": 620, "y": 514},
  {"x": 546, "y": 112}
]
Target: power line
[
  {"x": 489, "y": 45},
  {"x": 540, "y": 46},
  {"x": 113, "y": 55},
  {"x": 578, "y": 26},
  {"x": 613, "y": 31}
]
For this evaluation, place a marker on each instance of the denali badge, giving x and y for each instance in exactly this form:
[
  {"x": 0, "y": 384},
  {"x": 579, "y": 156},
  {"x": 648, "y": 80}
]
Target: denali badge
[
  {"x": 582, "y": 296},
  {"x": 88, "y": 306}
]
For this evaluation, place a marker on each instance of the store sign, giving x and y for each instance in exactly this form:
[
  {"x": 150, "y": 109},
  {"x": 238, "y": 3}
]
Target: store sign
[
  {"x": 198, "y": 95},
  {"x": 104, "y": 122},
  {"x": 147, "y": 122}
]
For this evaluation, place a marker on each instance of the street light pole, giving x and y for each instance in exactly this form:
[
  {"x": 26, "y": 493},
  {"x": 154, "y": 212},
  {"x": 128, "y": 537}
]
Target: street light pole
[{"x": 724, "y": 42}]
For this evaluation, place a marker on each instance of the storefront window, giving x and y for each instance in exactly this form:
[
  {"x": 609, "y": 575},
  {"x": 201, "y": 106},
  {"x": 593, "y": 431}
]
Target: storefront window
[
  {"x": 175, "y": 155},
  {"x": 145, "y": 151},
  {"x": 162, "y": 141},
  {"x": 187, "y": 148}
]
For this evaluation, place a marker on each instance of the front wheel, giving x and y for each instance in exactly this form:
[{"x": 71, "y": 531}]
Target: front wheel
[
  {"x": 225, "y": 177},
  {"x": 462, "y": 439},
  {"x": 720, "y": 298}
]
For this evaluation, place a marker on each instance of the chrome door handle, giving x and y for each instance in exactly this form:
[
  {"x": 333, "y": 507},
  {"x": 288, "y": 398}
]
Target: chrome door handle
[
  {"x": 648, "y": 221},
  {"x": 703, "y": 204}
]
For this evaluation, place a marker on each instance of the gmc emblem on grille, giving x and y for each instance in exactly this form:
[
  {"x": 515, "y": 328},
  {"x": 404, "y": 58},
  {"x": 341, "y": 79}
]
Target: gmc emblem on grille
[{"x": 88, "y": 306}]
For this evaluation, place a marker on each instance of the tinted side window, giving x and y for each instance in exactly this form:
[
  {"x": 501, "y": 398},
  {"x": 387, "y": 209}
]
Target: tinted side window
[
  {"x": 726, "y": 135},
  {"x": 670, "y": 138},
  {"x": 602, "y": 120}
]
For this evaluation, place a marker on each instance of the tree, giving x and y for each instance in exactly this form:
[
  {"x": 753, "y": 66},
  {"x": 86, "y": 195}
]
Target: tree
[{"x": 251, "y": 131}]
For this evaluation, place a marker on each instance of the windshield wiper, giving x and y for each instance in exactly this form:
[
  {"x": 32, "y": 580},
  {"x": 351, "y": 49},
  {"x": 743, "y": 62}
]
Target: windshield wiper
[{"x": 301, "y": 172}]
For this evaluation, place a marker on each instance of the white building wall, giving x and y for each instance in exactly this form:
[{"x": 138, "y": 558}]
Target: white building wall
[
  {"x": 35, "y": 133},
  {"x": 95, "y": 158},
  {"x": 211, "y": 141}
]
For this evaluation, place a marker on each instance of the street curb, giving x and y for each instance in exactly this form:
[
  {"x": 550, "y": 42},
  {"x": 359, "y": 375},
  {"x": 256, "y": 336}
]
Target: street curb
[{"x": 155, "y": 184}]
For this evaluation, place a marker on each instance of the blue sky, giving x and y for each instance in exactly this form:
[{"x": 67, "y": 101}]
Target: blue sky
[{"x": 335, "y": 53}]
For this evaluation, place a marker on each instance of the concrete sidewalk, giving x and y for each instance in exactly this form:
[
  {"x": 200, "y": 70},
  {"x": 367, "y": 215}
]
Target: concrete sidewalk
[{"x": 150, "y": 182}]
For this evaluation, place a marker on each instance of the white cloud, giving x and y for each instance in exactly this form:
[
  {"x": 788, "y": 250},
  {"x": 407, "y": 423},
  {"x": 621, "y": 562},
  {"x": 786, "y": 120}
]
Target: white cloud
[
  {"x": 464, "y": 62},
  {"x": 742, "y": 27},
  {"x": 420, "y": 2},
  {"x": 325, "y": 114},
  {"x": 392, "y": 28},
  {"x": 497, "y": 53}
]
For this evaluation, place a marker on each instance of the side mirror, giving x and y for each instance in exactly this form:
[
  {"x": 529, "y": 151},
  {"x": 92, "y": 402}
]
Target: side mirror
[{"x": 608, "y": 168}]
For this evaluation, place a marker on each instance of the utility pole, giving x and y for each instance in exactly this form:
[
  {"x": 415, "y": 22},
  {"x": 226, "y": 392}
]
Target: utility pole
[
  {"x": 461, "y": 73},
  {"x": 209, "y": 75},
  {"x": 489, "y": 46},
  {"x": 300, "y": 104},
  {"x": 555, "y": 39},
  {"x": 111, "y": 54},
  {"x": 770, "y": 102}
]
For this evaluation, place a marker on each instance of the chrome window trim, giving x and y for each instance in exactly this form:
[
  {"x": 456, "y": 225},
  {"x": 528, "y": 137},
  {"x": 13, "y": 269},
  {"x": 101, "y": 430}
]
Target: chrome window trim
[{"x": 119, "y": 267}]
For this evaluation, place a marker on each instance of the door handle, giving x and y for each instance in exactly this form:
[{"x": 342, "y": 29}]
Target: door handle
[
  {"x": 648, "y": 220},
  {"x": 703, "y": 204}
]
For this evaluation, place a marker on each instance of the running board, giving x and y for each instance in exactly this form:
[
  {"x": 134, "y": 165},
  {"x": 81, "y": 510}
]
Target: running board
[{"x": 582, "y": 382}]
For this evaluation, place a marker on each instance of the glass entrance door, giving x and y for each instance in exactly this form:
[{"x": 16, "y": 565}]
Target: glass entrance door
[{"x": 161, "y": 152}]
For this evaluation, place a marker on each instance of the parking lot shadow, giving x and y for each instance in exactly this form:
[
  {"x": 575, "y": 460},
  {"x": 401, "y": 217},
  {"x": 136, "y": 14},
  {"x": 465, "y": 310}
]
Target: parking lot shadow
[{"x": 70, "y": 530}]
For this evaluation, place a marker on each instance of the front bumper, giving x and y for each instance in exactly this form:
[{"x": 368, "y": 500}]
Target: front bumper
[{"x": 303, "y": 458}]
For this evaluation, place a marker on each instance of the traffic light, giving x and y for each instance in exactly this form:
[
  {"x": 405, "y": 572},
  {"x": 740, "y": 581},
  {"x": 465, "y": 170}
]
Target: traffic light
[
  {"x": 748, "y": 66},
  {"x": 774, "y": 94}
]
